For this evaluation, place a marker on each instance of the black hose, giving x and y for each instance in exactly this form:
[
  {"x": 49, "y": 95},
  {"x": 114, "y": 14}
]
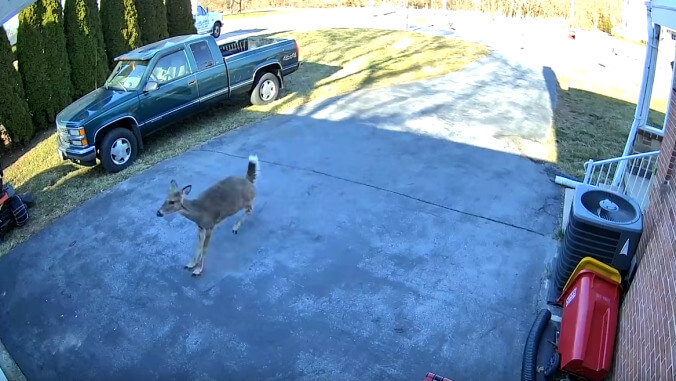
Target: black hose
[{"x": 530, "y": 352}]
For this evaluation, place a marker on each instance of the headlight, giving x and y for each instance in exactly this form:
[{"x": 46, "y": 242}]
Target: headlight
[
  {"x": 77, "y": 137},
  {"x": 76, "y": 131}
]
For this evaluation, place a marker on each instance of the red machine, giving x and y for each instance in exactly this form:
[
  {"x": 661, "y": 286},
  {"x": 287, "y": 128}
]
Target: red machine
[{"x": 590, "y": 303}]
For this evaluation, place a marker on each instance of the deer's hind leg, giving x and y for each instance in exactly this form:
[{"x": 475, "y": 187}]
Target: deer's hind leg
[{"x": 247, "y": 212}]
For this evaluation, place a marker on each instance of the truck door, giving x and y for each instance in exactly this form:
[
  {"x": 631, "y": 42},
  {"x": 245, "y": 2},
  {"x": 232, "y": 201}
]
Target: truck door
[
  {"x": 211, "y": 73},
  {"x": 175, "y": 95}
]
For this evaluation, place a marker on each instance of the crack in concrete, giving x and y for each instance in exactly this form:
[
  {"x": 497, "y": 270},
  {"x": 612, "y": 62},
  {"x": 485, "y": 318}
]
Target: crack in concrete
[{"x": 382, "y": 189}]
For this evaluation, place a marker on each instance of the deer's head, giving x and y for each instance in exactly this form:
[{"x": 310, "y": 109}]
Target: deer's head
[{"x": 174, "y": 201}]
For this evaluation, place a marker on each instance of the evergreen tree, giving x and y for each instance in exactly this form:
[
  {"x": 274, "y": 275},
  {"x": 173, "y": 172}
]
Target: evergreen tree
[
  {"x": 14, "y": 112},
  {"x": 33, "y": 66},
  {"x": 86, "y": 49},
  {"x": 179, "y": 18},
  {"x": 56, "y": 56},
  {"x": 152, "y": 20},
  {"x": 119, "y": 20}
]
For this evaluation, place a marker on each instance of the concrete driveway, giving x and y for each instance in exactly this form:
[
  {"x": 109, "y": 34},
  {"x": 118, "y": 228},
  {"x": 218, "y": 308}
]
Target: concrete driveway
[{"x": 396, "y": 232}]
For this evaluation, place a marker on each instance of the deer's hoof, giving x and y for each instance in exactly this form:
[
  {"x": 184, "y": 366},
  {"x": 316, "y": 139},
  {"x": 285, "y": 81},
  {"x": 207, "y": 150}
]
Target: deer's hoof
[
  {"x": 190, "y": 265},
  {"x": 234, "y": 231},
  {"x": 197, "y": 272}
]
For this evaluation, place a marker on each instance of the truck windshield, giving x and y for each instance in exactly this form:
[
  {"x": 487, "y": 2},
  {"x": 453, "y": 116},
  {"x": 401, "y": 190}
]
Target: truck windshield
[{"x": 127, "y": 75}]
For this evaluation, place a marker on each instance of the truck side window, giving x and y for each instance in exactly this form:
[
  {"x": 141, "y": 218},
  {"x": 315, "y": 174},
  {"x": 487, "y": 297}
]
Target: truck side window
[
  {"x": 202, "y": 54},
  {"x": 201, "y": 11},
  {"x": 170, "y": 67}
]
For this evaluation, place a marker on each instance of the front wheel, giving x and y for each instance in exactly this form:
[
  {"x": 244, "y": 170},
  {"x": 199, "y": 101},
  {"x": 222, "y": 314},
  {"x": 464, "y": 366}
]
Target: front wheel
[
  {"x": 118, "y": 150},
  {"x": 266, "y": 90},
  {"x": 216, "y": 31}
]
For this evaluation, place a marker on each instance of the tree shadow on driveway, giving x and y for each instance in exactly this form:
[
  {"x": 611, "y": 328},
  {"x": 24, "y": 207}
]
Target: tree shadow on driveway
[{"x": 375, "y": 249}]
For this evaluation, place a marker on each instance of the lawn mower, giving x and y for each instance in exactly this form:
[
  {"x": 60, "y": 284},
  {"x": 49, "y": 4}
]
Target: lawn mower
[{"x": 13, "y": 207}]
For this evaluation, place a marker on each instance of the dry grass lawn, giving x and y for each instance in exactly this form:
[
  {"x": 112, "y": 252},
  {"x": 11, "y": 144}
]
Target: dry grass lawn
[
  {"x": 336, "y": 62},
  {"x": 592, "y": 121}
]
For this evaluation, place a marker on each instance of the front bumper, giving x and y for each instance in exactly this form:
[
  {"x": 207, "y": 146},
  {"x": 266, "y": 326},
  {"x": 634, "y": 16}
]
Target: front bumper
[
  {"x": 84, "y": 156},
  {"x": 81, "y": 155}
]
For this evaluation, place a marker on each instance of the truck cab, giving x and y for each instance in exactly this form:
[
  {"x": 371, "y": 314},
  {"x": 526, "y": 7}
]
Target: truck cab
[{"x": 207, "y": 22}]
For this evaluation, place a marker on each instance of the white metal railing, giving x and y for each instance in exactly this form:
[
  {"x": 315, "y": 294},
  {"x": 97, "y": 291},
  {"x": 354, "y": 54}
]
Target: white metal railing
[{"x": 631, "y": 175}]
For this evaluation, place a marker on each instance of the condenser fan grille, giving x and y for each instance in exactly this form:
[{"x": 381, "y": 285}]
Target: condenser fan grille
[{"x": 609, "y": 206}]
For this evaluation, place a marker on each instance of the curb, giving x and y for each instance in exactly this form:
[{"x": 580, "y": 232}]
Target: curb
[{"x": 9, "y": 370}]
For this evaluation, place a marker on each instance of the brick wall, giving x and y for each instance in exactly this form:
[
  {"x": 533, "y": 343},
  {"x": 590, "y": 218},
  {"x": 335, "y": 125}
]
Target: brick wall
[
  {"x": 646, "y": 340},
  {"x": 646, "y": 142}
]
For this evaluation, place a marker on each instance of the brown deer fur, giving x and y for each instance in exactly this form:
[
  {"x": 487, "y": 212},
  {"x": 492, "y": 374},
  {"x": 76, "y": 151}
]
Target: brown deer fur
[{"x": 220, "y": 201}]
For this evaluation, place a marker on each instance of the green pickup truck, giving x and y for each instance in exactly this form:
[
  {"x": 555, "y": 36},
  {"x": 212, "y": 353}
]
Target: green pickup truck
[{"x": 165, "y": 82}]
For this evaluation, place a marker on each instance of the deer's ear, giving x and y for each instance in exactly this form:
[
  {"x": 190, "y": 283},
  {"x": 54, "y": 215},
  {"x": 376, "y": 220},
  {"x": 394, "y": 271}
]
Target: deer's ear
[
  {"x": 173, "y": 184},
  {"x": 186, "y": 190}
]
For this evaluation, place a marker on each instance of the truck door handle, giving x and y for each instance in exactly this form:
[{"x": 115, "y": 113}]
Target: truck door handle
[{"x": 192, "y": 82}]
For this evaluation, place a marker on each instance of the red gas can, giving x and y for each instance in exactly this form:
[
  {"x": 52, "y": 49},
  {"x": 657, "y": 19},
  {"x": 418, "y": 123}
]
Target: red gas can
[{"x": 588, "y": 324}]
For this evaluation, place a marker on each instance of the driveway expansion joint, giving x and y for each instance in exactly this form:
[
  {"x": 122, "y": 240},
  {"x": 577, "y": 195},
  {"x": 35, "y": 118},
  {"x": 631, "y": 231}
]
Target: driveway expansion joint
[{"x": 541, "y": 234}]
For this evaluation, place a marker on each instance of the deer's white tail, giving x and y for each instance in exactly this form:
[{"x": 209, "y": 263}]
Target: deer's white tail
[{"x": 253, "y": 168}]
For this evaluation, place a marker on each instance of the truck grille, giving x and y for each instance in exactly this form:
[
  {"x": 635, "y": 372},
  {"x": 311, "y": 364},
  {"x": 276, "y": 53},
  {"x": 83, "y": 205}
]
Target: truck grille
[{"x": 62, "y": 133}]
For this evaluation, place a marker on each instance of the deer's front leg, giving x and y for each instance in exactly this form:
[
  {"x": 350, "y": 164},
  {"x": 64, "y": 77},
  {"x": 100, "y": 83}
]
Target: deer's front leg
[
  {"x": 205, "y": 237},
  {"x": 191, "y": 265}
]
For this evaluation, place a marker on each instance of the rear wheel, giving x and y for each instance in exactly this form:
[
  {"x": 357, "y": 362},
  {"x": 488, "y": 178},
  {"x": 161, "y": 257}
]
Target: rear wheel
[
  {"x": 118, "y": 149},
  {"x": 216, "y": 30},
  {"x": 266, "y": 89}
]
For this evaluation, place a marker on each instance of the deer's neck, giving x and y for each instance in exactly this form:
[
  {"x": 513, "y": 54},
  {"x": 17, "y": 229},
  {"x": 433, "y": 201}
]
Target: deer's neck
[{"x": 191, "y": 210}]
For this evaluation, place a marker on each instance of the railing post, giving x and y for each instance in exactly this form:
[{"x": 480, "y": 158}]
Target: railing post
[
  {"x": 643, "y": 104},
  {"x": 588, "y": 171}
]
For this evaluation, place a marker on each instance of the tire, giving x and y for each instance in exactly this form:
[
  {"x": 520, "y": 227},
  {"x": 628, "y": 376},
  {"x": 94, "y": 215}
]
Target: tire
[
  {"x": 216, "y": 30},
  {"x": 266, "y": 89},
  {"x": 118, "y": 150},
  {"x": 19, "y": 210}
]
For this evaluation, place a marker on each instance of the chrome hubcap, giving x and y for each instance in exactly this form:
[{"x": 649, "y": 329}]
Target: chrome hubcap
[
  {"x": 120, "y": 151},
  {"x": 268, "y": 90}
]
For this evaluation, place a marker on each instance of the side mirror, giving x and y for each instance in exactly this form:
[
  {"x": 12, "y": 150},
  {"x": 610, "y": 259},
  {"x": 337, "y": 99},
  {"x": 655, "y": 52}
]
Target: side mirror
[{"x": 150, "y": 86}]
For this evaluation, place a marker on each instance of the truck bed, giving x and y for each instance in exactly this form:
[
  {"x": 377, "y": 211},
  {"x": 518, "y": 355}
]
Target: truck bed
[
  {"x": 246, "y": 56},
  {"x": 230, "y": 48}
]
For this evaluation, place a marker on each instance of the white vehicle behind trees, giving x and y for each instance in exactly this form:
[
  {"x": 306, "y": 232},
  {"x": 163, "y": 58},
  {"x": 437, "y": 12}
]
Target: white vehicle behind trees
[{"x": 206, "y": 22}]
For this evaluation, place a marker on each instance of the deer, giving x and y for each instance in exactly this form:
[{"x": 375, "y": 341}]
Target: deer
[{"x": 220, "y": 201}]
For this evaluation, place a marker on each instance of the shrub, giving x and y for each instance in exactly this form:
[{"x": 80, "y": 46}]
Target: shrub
[
  {"x": 56, "y": 57},
  {"x": 119, "y": 21},
  {"x": 32, "y": 65},
  {"x": 152, "y": 20},
  {"x": 14, "y": 112},
  {"x": 86, "y": 49},
  {"x": 179, "y": 18}
]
